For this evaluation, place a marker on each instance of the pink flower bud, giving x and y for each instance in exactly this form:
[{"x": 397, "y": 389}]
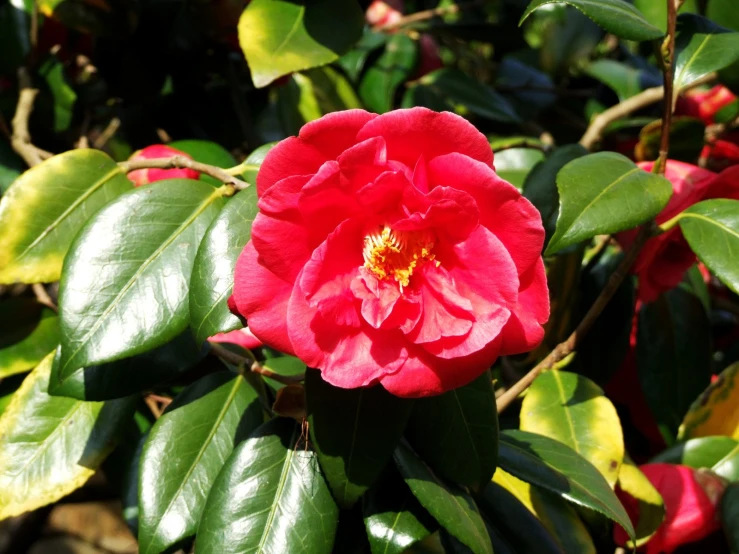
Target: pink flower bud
[{"x": 151, "y": 175}]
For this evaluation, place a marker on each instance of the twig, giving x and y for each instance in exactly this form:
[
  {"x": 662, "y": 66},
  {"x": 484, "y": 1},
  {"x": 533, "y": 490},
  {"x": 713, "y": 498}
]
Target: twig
[
  {"x": 164, "y": 400},
  {"x": 181, "y": 162},
  {"x": 564, "y": 349},
  {"x": 21, "y": 138},
  {"x": 153, "y": 406},
  {"x": 668, "y": 69},
  {"x": 107, "y": 133},
  {"x": 43, "y": 297},
  {"x": 254, "y": 366},
  {"x": 427, "y": 14},
  {"x": 622, "y": 109}
]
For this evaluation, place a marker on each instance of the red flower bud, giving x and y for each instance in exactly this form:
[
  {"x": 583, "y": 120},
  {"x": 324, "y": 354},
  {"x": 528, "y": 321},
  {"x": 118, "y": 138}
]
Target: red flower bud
[{"x": 151, "y": 175}]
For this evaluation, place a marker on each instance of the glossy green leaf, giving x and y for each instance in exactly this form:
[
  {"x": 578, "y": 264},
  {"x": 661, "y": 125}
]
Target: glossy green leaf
[
  {"x": 615, "y": 16},
  {"x": 701, "y": 47},
  {"x": 129, "y": 375},
  {"x": 516, "y": 164},
  {"x": 697, "y": 453},
  {"x": 729, "y": 511},
  {"x": 651, "y": 507},
  {"x": 673, "y": 356},
  {"x": 711, "y": 228},
  {"x": 212, "y": 278},
  {"x": 255, "y": 160},
  {"x": 392, "y": 68},
  {"x": 456, "y": 433},
  {"x": 44, "y": 209},
  {"x": 623, "y": 79},
  {"x": 206, "y": 152},
  {"x": 184, "y": 453},
  {"x": 556, "y": 467},
  {"x": 353, "y": 62},
  {"x": 354, "y": 432},
  {"x": 604, "y": 193},
  {"x": 540, "y": 184},
  {"x": 28, "y": 332},
  {"x": 50, "y": 446},
  {"x": 573, "y": 410},
  {"x": 455, "y": 91},
  {"x": 728, "y": 466},
  {"x": 283, "y": 365},
  {"x": 394, "y": 518},
  {"x": 129, "y": 294},
  {"x": 656, "y": 12},
  {"x": 269, "y": 497},
  {"x": 453, "y": 508},
  {"x": 11, "y": 165},
  {"x": 279, "y": 37}
]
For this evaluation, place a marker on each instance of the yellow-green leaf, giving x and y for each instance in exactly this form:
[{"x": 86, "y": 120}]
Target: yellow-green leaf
[
  {"x": 716, "y": 411},
  {"x": 632, "y": 481},
  {"x": 46, "y": 206},
  {"x": 572, "y": 409}
]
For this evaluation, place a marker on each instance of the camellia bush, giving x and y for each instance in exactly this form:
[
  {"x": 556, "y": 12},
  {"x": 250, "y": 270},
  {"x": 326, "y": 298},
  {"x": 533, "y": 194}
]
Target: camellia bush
[{"x": 331, "y": 276}]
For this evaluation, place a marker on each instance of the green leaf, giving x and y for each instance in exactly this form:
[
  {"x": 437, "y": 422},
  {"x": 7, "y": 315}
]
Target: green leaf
[
  {"x": 129, "y": 375},
  {"x": 283, "y": 365},
  {"x": 729, "y": 511},
  {"x": 554, "y": 466},
  {"x": 615, "y": 16},
  {"x": 62, "y": 94},
  {"x": 212, "y": 278},
  {"x": 623, "y": 79},
  {"x": 255, "y": 159},
  {"x": 701, "y": 47},
  {"x": 656, "y": 12},
  {"x": 269, "y": 497},
  {"x": 573, "y": 410},
  {"x": 516, "y": 164},
  {"x": 394, "y": 518},
  {"x": 11, "y": 165},
  {"x": 604, "y": 193},
  {"x": 8, "y": 386},
  {"x": 128, "y": 294},
  {"x": 279, "y": 37},
  {"x": 28, "y": 332},
  {"x": 651, "y": 507},
  {"x": 184, "y": 453},
  {"x": 714, "y": 411},
  {"x": 456, "y": 433},
  {"x": 711, "y": 228},
  {"x": 453, "y": 508},
  {"x": 723, "y": 11},
  {"x": 353, "y": 61},
  {"x": 673, "y": 356},
  {"x": 391, "y": 69},
  {"x": 455, "y": 91},
  {"x": 206, "y": 152},
  {"x": 728, "y": 466},
  {"x": 354, "y": 432},
  {"x": 540, "y": 184},
  {"x": 44, "y": 209},
  {"x": 50, "y": 446},
  {"x": 701, "y": 452},
  {"x": 686, "y": 139}
]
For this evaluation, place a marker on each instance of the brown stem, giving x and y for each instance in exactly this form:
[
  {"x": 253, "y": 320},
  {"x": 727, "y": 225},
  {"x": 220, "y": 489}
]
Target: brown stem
[
  {"x": 43, "y": 297},
  {"x": 181, "y": 162},
  {"x": 668, "y": 69},
  {"x": 427, "y": 14},
  {"x": 564, "y": 349},
  {"x": 21, "y": 137},
  {"x": 254, "y": 366}
]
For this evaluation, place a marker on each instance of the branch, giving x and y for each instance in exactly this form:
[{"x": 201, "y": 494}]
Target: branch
[
  {"x": 564, "y": 349},
  {"x": 181, "y": 162},
  {"x": 427, "y": 14},
  {"x": 21, "y": 137},
  {"x": 668, "y": 68},
  {"x": 622, "y": 109},
  {"x": 254, "y": 366}
]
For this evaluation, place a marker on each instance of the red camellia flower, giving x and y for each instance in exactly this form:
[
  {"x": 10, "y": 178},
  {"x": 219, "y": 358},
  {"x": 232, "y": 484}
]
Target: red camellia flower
[
  {"x": 665, "y": 258},
  {"x": 691, "y": 498},
  {"x": 388, "y": 251},
  {"x": 705, "y": 104},
  {"x": 151, "y": 175},
  {"x": 241, "y": 337}
]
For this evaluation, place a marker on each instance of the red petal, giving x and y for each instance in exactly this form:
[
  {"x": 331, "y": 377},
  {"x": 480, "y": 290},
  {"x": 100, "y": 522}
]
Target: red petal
[
  {"x": 689, "y": 185},
  {"x": 524, "y": 330},
  {"x": 725, "y": 185},
  {"x": 242, "y": 337}
]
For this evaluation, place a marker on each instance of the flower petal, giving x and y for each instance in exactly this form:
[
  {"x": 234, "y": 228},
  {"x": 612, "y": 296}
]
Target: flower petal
[{"x": 524, "y": 330}]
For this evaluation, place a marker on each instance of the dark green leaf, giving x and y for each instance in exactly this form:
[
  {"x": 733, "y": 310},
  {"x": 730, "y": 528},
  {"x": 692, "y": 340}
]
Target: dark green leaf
[
  {"x": 354, "y": 432},
  {"x": 623, "y": 79},
  {"x": 127, "y": 295},
  {"x": 701, "y": 47},
  {"x": 730, "y": 515},
  {"x": 540, "y": 185},
  {"x": 186, "y": 450},
  {"x": 515, "y": 164},
  {"x": 62, "y": 94},
  {"x": 723, "y": 11},
  {"x": 28, "y": 332},
  {"x": 528, "y": 89},
  {"x": 605, "y": 193},
  {"x": 206, "y": 152},
  {"x": 255, "y": 160},
  {"x": 697, "y": 453},
  {"x": 213, "y": 272},
  {"x": 279, "y": 37},
  {"x": 453, "y": 508},
  {"x": 552, "y": 465},
  {"x": 686, "y": 139},
  {"x": 456, "y": 433},
  {"x": 673, "y": 356},
  {"x": 711, "y": 228},
  {"x": 11, "y": 165},
  {"x": 269, "y": 497},
  {"x": 44, "y": 209},
  {"x": 392, "y": 68},
  {"x": 353, "y": 61},
  {"x": 394, "y": 518},
  {"x": 283, "y": 365},
  {"x": 615, "y": 16}
]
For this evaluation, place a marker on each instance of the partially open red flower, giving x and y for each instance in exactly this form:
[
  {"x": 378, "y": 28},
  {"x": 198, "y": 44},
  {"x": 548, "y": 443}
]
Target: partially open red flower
[
  {"x": 151, "y": 175},
  {"x": 691, "y": 499},
  {"x": 388, "y": 251}
]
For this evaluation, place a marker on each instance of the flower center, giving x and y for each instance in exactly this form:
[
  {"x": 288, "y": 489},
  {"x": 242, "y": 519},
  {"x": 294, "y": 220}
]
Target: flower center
[{"x": 392, "y": 254}]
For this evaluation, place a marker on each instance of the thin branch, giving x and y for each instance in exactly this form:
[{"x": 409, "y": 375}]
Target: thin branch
[
  {"x": 668, "y": 69},
  {"x": 645, "y": 98},
  {"x": 107, "y": 133},
  {"x": 564, "y": 349},
  {"x": 254, "y": 366},
  {"x": 181, "y": 162},
  {"x": 43, "y": 297},
  {"x": 427, "y": 14},
  {"x": 21, "y": 137}
]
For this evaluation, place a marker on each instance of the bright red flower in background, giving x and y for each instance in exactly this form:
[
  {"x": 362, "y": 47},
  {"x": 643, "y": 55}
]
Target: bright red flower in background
[
  {"x": 705, "y": 104},
  {"x": 241, "y": 337},
  {"x": 388, "y": 251},
  {"x": 151, "y": 175},
  {"x": 691, "y": 506}
]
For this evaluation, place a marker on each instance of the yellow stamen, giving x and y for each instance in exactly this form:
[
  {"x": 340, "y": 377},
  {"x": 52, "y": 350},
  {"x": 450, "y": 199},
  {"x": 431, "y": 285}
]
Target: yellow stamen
[{"x": 392, "y": 254}]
